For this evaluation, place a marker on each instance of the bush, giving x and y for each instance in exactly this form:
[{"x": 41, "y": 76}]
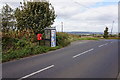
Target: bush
[
  {"x": 26, "y": 51},
  {"x": 14, "y": 54},
  {"x": 22, "y": 43},
  {"x": 62, "y": 39},
  {"x": 8, "y": 43},
  {"x": 73, "y": 37}
]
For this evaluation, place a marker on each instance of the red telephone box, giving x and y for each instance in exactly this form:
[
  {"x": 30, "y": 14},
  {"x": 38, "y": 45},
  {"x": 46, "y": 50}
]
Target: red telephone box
[{"x": 39, "y": 36}]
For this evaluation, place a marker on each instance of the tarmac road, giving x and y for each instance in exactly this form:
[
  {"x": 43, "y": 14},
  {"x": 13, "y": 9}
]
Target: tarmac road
[{"x": 82, "y": 59}]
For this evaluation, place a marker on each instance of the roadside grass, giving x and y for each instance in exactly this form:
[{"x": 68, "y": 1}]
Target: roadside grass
[
  {"x": 26, "y": 51},
  {"x": 111, "y": 38},
  {"x": 89, "y": 38},
  {"x": 114, "y": 38}
]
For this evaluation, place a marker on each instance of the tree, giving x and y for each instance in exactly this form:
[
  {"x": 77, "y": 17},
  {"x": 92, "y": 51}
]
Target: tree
[
  {"x": 106, "y": 33},
  {"x": 35, "y": 16},
  {"x": 7, "y": 18}
]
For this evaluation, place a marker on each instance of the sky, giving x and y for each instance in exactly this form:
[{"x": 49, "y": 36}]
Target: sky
[{"x": 81, "y": 15}]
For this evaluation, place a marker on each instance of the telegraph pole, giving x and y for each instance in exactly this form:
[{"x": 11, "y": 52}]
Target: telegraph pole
[
  {"x": 112, "y": 27},
  {"x": 62, "y": 26}
]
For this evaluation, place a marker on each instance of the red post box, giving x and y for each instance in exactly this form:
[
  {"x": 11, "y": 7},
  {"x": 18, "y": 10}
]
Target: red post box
[{"x": 39, "y": 36}]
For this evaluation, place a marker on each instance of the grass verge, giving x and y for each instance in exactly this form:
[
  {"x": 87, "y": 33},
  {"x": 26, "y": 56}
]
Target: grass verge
[
  {"x": 88, "y": 38},
  {"x": 27, "y": 51}
]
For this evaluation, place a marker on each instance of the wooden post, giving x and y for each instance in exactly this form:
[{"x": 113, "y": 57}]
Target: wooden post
[{"x": 39, "y": 42}]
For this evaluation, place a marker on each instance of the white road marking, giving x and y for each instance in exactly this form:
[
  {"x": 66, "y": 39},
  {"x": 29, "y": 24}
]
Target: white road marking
[
  {"x": 36, "y": 72},
  {"x": 106, "y": 44},
  {"x": 100, "y": 45},
  {"x": 83, "y": 53},
  {"x": 103, "y": 45}
]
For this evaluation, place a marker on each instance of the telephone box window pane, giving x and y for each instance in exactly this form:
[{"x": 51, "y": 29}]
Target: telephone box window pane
[{"x": 47, "y": 34}]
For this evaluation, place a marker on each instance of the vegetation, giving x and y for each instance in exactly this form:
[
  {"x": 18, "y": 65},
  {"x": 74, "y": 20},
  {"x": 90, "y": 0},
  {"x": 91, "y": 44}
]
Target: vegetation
[
  {"x": 89, "y": 38},
  {"x": 35, "y": 16},
  {"x": 25, "y": 51},
  {"x": 62, "y": 39},
  {"x": 14, "y": 48},
  {"x": 106, "y": 33},
  {"x": 19, "y": 29},
  {"x": 8, "y": 21},
  {"x": 18, "y": 48}
]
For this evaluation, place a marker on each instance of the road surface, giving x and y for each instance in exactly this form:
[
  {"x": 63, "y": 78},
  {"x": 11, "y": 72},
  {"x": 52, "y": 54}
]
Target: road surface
[{"x": 82, "y": 59}]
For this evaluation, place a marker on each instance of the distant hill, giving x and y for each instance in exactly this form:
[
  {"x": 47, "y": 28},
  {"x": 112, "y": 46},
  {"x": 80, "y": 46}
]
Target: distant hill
[{"x": 85, "y": 33}]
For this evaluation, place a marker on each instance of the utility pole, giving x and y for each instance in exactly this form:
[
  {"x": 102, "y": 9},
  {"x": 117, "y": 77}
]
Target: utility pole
[
  {"x": 112, "y": 27},
  {"x": 62, "y": 26}
]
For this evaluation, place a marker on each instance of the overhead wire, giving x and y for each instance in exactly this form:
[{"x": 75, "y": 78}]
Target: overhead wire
[{"x": 89, "y": 8}]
